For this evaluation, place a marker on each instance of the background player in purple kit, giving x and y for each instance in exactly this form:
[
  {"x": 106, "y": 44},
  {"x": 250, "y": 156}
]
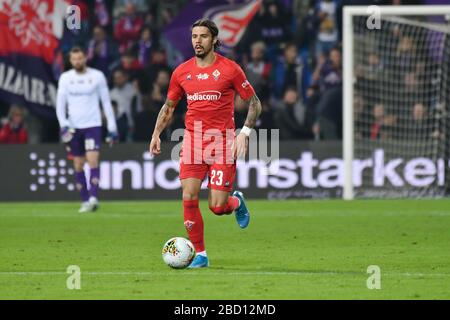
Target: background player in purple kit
[{"x": 77, "y": 107}]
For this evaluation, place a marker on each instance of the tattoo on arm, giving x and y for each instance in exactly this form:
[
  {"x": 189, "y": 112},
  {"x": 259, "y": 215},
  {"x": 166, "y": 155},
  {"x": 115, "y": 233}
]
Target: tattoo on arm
[
  {"x": 164, "y": 116},
  {"x": 254, "y": 110}
]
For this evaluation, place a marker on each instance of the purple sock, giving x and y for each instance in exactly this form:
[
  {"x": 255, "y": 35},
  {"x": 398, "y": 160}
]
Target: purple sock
[
  {"x": 80, "y": 179},
  {"x": 94, "y": 180}
]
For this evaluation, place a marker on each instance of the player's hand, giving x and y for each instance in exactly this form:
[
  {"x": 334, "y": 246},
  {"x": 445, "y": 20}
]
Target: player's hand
[
  {"x": 112, "y": 138},
  {"x": 155, "y": 146},
  {"x": 239, "y": 149},
  {"x": 67, "y": 134}
]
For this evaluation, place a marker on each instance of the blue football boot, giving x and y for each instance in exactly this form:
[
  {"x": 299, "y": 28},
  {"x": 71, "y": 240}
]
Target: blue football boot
[
  {"x": 242, "y": 214},
  {"x": 199, "y": 262}
]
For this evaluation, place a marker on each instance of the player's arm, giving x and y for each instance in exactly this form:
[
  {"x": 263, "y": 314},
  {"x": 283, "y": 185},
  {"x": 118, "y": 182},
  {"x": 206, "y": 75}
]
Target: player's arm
[
  {"x": 61, "y": 103},
  {"x": 164, "y": 117},
  {"x": 106, "y": 103},
  {"x": 247, "y": 93},
  {"x": 254, "y": 111},
  {"x": 174, "y": 95}
]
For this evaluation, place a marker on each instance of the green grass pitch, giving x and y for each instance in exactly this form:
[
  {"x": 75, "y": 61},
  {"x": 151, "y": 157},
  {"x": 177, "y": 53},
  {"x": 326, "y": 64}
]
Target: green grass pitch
[{"x": 291, "y": 250}]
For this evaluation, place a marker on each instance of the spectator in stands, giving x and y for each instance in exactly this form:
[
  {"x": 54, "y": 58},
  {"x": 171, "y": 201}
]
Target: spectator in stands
[
  {"x": 150, "y": 18},
  {"x": 166, "y": 16},
  {"x": 328, "y": 32},
  {"x": 152, "y": 100},
  {"x": 275, "y": 23},
  {"x": 374, "y": 68},
  {"x": 103, "y": 14},
  {"x": 160, "y": 87},
  {"x": 124, "y": 94},
  {"x": 287, "y": 72},
  {"x": 290, "y": 116},
  {"x": 258, "y": 70},
  {"x": 102, "y": 52},
  {"x": 328, "y": 76},
  {"x": 361, "y": 117},
  {"x": 369, "y": 75},
  {"x": 131, "y": 64},
  {"x": 419, "y": 126},
  {"x": 405, "y": 54},
  {"x": 146, "y": 44},
  {"x": 240, "y": 111},
  {"x": 128, "y": 28},
  {"x": 411, "y": 83},
  {"x": 382, "y": 124},
  {"x": 13, "y": 129},
  {"x": 377, "y": 123},
  {"x": 265, "y": 120},
  {"x": 120, "y": 6},
  {"x": 328, "y": 72},
  {"x": 158, "y": 61},
  {"x": 306, "y": 26}
]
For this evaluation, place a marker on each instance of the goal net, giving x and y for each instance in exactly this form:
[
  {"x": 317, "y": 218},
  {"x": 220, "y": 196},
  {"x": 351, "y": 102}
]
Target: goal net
[{"x": 397, "y": 102}]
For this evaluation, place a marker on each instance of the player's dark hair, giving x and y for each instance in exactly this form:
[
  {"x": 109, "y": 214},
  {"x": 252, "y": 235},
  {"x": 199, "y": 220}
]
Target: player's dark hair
[
  {"x": 212, "y": 27},
  {"x": 77, "y": 49}
]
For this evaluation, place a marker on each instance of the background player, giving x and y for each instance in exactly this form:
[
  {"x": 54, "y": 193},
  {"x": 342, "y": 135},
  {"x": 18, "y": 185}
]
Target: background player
[
  {"x": 209, "y": 81},
  {"x": 79, "y": 116}
]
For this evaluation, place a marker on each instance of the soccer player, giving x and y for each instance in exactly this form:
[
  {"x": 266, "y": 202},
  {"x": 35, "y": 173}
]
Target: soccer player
[
  {"x": 78, "y": 110},
  {"x": 209, "y": 82}
]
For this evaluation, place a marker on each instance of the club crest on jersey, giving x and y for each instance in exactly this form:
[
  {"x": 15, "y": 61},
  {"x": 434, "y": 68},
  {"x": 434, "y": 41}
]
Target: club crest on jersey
[
  {"x": 216, "y": 74},
  {"x": 189, "y": 77},
  {"x": 189, "y": 224},
  {"x": 202, "y": 76}
]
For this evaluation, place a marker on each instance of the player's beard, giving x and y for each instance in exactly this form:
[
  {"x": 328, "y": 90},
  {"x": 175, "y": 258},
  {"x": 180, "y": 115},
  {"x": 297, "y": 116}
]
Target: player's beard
[
  {"x": 80, "y": 68},
  {"x": 204, "y": 53}
]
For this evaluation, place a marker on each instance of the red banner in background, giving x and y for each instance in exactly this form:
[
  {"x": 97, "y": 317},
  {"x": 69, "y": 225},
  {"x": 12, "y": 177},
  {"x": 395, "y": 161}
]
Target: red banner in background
[
  {"x": 31, "y": 27},
  {"x": 231, "y": 17},
  {"x": 30, "y": 31}
]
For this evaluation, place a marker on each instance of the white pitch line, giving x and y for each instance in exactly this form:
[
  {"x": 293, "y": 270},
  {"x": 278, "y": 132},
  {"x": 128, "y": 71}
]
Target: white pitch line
[{"x": 250, "y": 273}]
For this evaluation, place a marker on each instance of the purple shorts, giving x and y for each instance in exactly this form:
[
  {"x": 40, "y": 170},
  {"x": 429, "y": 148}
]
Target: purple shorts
[{"x": 88, "y": 139}]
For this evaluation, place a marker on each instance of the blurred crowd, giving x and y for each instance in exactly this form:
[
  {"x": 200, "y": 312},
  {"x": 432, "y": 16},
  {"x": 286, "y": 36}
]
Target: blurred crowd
[
  {"x": 290, "y": 52},
  {"x": 398, "y": 83}
]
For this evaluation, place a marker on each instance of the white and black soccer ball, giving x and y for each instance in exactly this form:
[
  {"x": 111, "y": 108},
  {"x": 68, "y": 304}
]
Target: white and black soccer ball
[{"x": 178, "y": 253}]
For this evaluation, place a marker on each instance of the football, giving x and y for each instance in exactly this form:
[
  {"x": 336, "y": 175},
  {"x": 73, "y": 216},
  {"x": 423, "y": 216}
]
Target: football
[{"x": 178, "y": 253}]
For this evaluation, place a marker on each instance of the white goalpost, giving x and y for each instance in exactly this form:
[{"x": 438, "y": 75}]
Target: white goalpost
[{"x": 396, "y": 101}]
